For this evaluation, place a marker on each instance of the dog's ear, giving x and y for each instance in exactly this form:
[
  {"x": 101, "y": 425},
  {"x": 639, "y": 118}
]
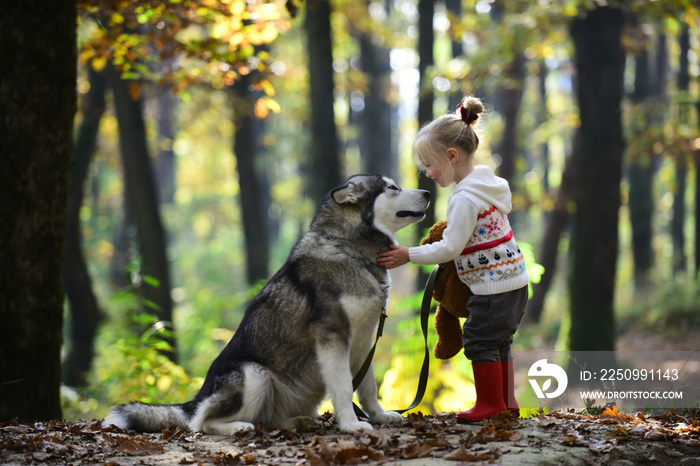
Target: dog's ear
[{"x": 349, "y": 193}]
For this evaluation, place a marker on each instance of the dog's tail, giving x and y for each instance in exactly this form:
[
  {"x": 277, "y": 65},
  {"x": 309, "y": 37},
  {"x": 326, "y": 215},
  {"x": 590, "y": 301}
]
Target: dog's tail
[{"x": 143, "y": 417}]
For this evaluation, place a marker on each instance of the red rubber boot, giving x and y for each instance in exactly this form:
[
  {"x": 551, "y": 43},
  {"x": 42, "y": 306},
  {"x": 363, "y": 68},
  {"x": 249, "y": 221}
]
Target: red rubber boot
[
  {"x": 509, "y": 388},
  {"x": 488, "y": 381}
]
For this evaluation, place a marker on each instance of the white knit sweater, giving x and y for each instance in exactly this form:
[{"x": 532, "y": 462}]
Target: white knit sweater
[{"x": 478, "y": 236}]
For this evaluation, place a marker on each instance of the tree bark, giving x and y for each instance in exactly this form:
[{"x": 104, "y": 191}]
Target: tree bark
[
  {"x": 166, "y": 101},
  {"x": 511, "y": 98},
  {"x": 683, "y": 86},
  {"x": 38, "y": 104},
  {"x": 325, "y": 168},
  {"x": 454, "y": 8},
  {"x": 142, "y": 200},
  {"x": 426, "y": 95},
  {"x": 376, "y": 118},
  {"x": 556, "y": 223},
  {"x": 599, "y": 61},
  {"x": 679, "y": 207},
  {"x": 639, "y": 175},
  {"x": 543, "y": 117},
  {"x": 85, "y": 312},
  {"x": 246, "y": 147}
]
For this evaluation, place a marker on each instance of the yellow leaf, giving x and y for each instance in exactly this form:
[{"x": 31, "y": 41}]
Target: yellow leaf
[
  {"x": 116, "y": 18},
  {"x": 164, "y": 383},
  {"x": 268, "y": 12},
  {"x": 261, "y": 110},
  {"x": 268, "y": 34},
  {"x": 267, "y": 87},
  {"x": 273, "y": 105},
  {"x": 86, "y": 55},
  {"x": 219, "y": 30},
  {"x": 98, "y": 63},
  {"x": 237, "y": 8},
  {"x": 236, "y": 39}
]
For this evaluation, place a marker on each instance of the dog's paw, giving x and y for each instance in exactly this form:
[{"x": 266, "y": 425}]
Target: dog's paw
[
  {"x": 389, "y": 417},
  {"x": 228, "y": 429},
  {"x": 354, "y": 426}
]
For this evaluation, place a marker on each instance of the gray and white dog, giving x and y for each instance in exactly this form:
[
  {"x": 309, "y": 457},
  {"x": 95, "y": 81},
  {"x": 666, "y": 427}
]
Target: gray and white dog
[{"x": 309, "y": 329}]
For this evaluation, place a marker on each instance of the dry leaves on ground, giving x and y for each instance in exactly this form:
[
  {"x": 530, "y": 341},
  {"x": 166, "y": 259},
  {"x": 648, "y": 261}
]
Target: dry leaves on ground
[{"x": 666, "y": 438}]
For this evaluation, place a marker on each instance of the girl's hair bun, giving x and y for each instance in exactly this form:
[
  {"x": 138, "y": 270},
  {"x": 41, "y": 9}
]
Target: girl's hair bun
[{"x": 470, "y": 110}]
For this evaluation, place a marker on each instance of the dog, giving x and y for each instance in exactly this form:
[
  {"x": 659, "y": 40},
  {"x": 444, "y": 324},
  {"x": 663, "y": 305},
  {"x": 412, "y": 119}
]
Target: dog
[{"x": 309, "y": 329}]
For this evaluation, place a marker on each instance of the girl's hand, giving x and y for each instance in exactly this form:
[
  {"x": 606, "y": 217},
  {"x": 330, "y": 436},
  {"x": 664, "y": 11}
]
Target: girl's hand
[{"x": 397, "y": 257}]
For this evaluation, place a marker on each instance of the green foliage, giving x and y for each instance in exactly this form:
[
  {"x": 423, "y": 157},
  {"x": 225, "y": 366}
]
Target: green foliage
[
  {"x": 132, "y": 366},
  {"x": 135, "y": 368},
  {"x": 534, "y": 270}
]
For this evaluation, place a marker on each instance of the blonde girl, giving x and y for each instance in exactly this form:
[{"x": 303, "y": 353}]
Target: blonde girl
[{"x": 479, "y": 239}]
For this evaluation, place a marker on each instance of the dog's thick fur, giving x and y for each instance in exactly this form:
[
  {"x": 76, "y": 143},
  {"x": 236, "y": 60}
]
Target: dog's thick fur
[{"x": 309, "y": 329}]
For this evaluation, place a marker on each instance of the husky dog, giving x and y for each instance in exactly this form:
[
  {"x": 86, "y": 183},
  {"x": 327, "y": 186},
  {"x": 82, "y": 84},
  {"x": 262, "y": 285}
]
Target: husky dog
[{"x": 309, "y": 329}]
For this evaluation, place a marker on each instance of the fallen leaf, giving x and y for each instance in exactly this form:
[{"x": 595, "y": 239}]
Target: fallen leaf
[
  {"x": 673, "y": 453},
  {"x": 382, "y": 438},
  {"x": 655, "y": 434},
  {"x": 314, "y": 459},
  {"x": 599, "y": 447},
  {"x": 573, "y": 439},
  {"x": 462, "y": 454},
  {"x": 137, "y": 446},
  {"x": 416, "y": 450}
]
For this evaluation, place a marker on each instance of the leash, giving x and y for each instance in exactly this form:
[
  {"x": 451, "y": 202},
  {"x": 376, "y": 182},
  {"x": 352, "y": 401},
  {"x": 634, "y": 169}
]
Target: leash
[{"x": 423, "y": 378}]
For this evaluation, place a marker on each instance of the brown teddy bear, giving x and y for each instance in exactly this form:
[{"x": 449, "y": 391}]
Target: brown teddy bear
[{"x": 452, "y": 295}]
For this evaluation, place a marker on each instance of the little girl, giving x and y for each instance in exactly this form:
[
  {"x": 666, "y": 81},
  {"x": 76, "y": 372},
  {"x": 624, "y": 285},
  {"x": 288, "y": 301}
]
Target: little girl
[{"x": 479, "y": 239}]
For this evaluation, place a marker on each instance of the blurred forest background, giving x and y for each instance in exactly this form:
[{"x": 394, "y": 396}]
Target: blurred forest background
[{"x": 206, "y": 132}]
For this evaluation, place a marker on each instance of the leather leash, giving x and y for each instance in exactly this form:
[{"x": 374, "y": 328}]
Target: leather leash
[{"x": 423, "y": 379}]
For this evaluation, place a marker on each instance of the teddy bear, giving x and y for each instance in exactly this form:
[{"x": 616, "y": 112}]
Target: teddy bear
[{"x": 452, "y": 295}]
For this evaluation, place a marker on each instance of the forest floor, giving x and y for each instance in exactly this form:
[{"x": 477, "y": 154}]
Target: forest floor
[
  {"x": 562, "y": 438},
  {"x": 610, "y": 438}
]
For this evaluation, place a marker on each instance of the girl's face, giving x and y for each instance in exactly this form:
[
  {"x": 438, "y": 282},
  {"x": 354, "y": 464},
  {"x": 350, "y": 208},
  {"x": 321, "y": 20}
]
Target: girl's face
[{"x": 436, "y": 173}]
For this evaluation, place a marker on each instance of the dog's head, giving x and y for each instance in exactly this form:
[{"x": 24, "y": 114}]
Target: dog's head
[{"x": 380, "y": 203}]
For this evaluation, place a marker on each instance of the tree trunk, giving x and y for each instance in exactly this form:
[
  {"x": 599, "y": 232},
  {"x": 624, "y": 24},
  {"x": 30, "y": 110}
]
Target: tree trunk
[
  {"x": 426, "y": 95},
  {"x": 454, "y": 8},
  {"x": 556, "y": 222},
  {"x": 639, "y": 175},
  {"x": 543, "y": 117},
  {"x": 324, "y": 167},
  {"x": 246, "y": 146},
  {"x": 376, "y": 118},
  {"x": 599, "y": 60},
  {"x": 85, "y": 313},
  {"x": 142, "y": 200},
  {"x": 684, "y": 119},
  {"x": 510, "y": 98},
  {"x": 679, "y": 207},
  {"x": 166, "y": 101},
  {"x": 38, "y": 102},
  {"x": 678, "y": 222}
]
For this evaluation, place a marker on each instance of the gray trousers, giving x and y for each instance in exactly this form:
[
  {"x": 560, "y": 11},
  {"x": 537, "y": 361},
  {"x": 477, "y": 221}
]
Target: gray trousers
[{"x": 487, "y": 335}]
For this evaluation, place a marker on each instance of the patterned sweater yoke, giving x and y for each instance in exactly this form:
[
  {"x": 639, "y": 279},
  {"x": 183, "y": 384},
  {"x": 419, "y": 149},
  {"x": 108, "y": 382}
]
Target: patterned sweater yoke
[
  {"x": 492, "y": 262},
  {"x": 478, "y": 236}
]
